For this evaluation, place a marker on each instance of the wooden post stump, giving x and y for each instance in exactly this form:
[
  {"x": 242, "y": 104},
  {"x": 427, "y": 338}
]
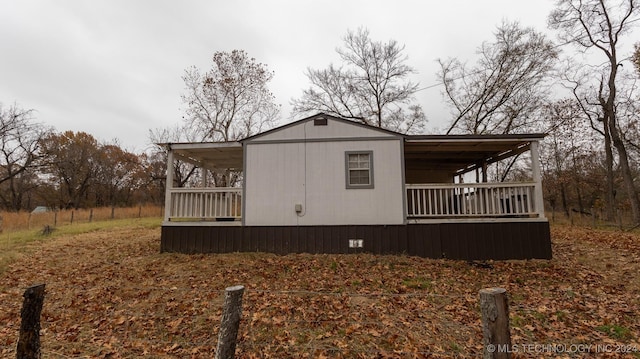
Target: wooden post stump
[
  {"x": 47, "y": 230},
  {"x": 231, "y": 314},
  {"x": 495, "y": 323},
  {"x": 29, "y": 341}
]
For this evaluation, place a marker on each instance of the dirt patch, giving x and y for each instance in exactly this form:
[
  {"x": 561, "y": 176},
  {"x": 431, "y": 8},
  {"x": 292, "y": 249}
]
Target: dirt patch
[{"x": 111, "y": 294}]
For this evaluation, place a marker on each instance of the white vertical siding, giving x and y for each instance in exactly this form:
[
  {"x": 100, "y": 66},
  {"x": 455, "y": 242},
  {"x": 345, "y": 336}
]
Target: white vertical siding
[{"x": 281, "y": 175}]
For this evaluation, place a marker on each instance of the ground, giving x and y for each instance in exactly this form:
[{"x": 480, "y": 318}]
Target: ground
[{"x": 111, "y": 294}]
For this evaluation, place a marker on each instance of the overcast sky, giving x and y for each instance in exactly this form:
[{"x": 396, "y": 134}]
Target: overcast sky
[{"x": 113, "y": 68}]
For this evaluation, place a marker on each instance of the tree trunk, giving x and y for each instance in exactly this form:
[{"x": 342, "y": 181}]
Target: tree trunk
[
  {"x": 612, "y": 123},
  {"x": 627, "y": 176},
  {"x": 610, "y": 198},
  {"x": 579, "y": 197},
  {"x": 577, "y": 185},
  {"x": 563, "y": 197}
]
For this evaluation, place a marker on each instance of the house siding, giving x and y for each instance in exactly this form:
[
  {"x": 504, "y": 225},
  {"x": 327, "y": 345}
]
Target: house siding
[
  {"x": 306, "y": 130},
  {"x": 463, "y": 241},
  {"x": 312, "y": 174}
]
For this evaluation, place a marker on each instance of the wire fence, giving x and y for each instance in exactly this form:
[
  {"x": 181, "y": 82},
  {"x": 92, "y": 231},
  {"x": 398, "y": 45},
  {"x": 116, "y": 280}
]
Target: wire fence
[
  {"x": 160, "y": 321},
  {"x": 15, "y": 221},
  {"x": 184, "y": 322}
]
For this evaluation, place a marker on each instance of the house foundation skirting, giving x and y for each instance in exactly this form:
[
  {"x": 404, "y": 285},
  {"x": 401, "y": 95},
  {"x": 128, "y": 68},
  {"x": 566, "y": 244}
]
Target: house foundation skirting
[{"x": 467, "y": 241}]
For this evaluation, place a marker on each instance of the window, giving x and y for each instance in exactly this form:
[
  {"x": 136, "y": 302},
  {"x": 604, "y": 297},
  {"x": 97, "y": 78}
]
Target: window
[{"x": 359, "y": 167}]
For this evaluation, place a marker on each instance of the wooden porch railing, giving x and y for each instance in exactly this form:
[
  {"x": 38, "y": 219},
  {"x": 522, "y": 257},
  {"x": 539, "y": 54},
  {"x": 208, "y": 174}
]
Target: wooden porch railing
[
  {"x": 206, "y": 203},
  {"x": 471, "y": 200}
]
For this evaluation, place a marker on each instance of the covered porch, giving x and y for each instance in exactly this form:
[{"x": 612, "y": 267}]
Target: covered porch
[
  {"x": 203, "y": 203},
  {"x": 446, "y": 179}
]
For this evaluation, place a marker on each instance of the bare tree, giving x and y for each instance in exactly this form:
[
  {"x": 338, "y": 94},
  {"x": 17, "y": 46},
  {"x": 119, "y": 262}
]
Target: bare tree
[
  {"x": 370, "y": 86},
  {"x": 563, "y": 156},
  {"x": 628, "y": 112},
  {"x": 636, "y": 58},
  {"x": 152, "y": 177},
  {"x": 503, "y": 91},
  {"x": 579, "y": 79},
  {"x": 183, "y": 172},
  {"x": 600, "y": 25},
  {"x": 20, "y": 140},
  {"x": 231, "y": 100}
]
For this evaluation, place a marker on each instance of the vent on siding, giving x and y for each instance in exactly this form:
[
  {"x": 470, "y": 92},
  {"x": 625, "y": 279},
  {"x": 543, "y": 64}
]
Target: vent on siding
[{"x": 320, "y": 121}]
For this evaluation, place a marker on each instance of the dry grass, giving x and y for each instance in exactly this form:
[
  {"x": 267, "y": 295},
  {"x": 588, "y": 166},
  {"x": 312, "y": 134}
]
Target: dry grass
[
  {"x": 111, "y": 294},
  {"x": 623, "y": 221},
  {"x": 16, "y": 221},
  {"x": 21, "y": 228}
]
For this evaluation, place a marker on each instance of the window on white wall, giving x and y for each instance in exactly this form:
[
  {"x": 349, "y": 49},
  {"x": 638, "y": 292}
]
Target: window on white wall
[{"x": 359, "y": 168}]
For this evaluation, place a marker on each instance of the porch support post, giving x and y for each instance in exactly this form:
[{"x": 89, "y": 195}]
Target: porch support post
[
  {"x": 168, "y": 184},
  {"x": 484, "y": 171},
  {"x": 537, "y": 178}
]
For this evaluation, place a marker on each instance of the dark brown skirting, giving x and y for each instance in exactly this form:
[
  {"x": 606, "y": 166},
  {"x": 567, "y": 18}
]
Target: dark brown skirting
[{"x": 468, "y": 241}]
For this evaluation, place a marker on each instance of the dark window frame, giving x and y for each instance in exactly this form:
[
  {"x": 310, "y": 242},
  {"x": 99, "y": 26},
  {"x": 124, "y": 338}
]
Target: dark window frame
[{"x": 348, "y": 170}]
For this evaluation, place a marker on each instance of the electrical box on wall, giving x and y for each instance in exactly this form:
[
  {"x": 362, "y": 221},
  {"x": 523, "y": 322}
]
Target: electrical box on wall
[
  {"x": 356, "y": 243},
  {"x": 298, "y": 208}
]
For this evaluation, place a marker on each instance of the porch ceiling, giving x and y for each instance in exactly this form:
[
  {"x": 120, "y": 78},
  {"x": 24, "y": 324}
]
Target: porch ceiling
[
  {"x": 456, "y": 154},
  {"x": 461, "y": 154},
  {"x": 213, "y": 156}
]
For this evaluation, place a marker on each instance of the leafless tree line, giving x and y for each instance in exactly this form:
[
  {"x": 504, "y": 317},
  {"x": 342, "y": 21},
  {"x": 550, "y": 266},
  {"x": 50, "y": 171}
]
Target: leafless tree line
[
  {"x": 40, "y": 167},
  {"x": 591, "y": 152}
]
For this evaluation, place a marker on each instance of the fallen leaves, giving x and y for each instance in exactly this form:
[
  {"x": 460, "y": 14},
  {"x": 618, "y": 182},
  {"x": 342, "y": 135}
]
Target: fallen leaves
[{"x": 111, "y": 294}]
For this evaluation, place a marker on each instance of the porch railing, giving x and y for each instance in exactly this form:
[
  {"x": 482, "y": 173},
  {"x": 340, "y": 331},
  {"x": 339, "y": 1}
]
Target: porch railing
[
  {"x": 206, "y": 203},
  {"x": 471, "y": 200}
]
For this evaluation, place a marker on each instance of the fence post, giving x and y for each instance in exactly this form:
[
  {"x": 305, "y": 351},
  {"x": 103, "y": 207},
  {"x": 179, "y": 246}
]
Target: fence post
[
  {"x": 495, "y": 323},
  {"x": 231, "y": 313},
  {"x": 29, "y": 341},
  {"x": 71, "y": 217},
  {"x": 91, "y": 215}
]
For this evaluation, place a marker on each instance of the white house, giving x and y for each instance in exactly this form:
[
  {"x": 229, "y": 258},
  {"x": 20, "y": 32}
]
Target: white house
[{"x": 328, "y": 185}]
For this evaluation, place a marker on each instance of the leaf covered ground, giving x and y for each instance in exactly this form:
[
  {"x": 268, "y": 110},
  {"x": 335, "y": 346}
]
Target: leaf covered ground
[{"x": 111, "y": 294}]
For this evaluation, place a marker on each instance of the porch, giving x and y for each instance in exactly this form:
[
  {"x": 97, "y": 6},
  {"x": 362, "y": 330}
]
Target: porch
[
  {"x": 424, "y": 202},
  {"x": 222, "y": 206},
  {"x": 476, "y": 200}
]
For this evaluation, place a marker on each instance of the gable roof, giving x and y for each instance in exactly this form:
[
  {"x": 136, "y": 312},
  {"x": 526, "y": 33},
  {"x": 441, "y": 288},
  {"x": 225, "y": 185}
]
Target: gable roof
[
  {"x": 320, "y": 115},
  {"x": 456, "y": 154}
]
